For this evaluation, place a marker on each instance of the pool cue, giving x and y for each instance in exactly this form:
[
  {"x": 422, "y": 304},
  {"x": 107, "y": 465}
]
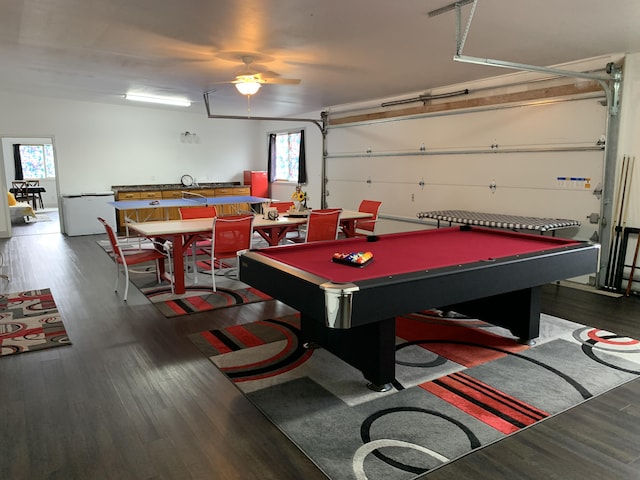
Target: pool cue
[
  {"x": 616, "y": 206},
  {"x": 618, "y": 228},
  {"x": 633, "y": 267},
  {"x": 619, "y": 270},
  {"x": 618, "y": 211},
  {"x": 635, "y": 253}
]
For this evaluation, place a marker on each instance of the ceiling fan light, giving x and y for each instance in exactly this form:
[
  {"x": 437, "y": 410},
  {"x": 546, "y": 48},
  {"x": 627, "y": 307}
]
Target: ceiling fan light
[{"x": 247, "y": 87}]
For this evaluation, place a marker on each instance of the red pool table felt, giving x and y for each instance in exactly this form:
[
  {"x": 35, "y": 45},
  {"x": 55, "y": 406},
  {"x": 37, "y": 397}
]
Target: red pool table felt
[{"x": 407, "y": 252}]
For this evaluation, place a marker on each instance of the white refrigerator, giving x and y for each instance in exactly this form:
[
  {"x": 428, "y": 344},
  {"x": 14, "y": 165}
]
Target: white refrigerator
[{"x": 81, "y": 211}]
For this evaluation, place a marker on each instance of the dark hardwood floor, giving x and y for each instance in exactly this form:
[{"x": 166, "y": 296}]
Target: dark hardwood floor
[
  {"x": 47, "y": 221},
  {"x": 133, "y": 399}
]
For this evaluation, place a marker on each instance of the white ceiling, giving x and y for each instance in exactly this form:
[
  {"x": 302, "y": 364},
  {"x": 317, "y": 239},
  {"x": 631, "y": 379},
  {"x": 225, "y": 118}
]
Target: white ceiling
[{"x": 343, "y": 51}]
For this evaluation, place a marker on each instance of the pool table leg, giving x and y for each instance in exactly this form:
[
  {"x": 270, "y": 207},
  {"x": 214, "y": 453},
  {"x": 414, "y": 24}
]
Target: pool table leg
[
  {"x": 371, "y": 348},
  {"x": 519, "y": 311}
]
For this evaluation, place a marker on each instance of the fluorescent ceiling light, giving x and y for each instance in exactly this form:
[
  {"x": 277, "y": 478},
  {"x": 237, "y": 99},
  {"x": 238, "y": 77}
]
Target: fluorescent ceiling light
[{"x": 180, "y": 102}]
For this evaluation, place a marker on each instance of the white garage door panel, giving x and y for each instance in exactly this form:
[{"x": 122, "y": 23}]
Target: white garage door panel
[
  {"x": 527, "y": 182},
  {"x": 580, "y": 121}
]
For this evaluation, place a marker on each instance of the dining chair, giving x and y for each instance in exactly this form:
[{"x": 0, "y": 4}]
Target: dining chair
[
  {"x": 186, "y": 213},
  {"x": 126, "y": 256},
  {"x": 282, "y": 207},
  {"x": 230, "y": 234},
  {"x": 321, "y": 224},
  {"x": 34, "y": 193},
  {"x": 367, "y": 226},
  {"x": 20, "y": 190},
  {"x": 208, "y": 211}
]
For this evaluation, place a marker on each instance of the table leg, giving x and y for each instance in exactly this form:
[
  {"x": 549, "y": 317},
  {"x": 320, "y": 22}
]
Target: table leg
[
  {"x": 273, "y": 235},
  {"x": 519, "y": 311},
  {"x": 348, "y": 227},
  {"x": 270, "y": 235},
  {"x": 371, "y": 348},
  {"x": 178, "y": 265}
]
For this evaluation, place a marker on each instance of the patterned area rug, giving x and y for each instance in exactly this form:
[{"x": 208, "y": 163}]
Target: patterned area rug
[
  {"x": 199, "y": 295},
  {"x": 30, "y": 321},
  {"x": 200, "y": 298},
  {"x": 461, "y": 385}
]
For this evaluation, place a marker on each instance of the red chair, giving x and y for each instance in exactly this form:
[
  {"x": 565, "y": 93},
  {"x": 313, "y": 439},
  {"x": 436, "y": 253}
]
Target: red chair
[
  {"x": 187, "y": 213},
  {"x": 322, "y": 225},
  {"x": 230, "y": 234},
  {"x": 133, "y": 256},
  {"x": 368, "y": 225},
  {"x": 208, "y": 211},
  {"x": 282, "y": 207}
]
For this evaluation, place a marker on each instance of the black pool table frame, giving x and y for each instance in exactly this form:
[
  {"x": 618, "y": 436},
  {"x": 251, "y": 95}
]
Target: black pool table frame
[{"x": 356, "y": 321}]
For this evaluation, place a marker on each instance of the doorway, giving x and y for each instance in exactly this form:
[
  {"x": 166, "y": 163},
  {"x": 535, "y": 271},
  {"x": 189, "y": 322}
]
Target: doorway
[{"x": 46, "y": 217}]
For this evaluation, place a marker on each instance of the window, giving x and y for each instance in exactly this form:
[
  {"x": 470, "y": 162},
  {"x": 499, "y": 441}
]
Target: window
[
  {"x": 37, "y": 161},
  {"x": 287, "y": 157}
]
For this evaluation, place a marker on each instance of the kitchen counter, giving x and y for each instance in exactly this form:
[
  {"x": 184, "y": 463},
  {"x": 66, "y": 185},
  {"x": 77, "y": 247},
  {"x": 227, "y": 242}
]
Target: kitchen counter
[
  {"x": 167, "y": 191},
  {"x": 171, "y": 186}
]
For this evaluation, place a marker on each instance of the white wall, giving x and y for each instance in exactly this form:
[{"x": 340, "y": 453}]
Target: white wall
[
  {"x": 629, "y": 143},
  {"x": 99, "y": 145}
]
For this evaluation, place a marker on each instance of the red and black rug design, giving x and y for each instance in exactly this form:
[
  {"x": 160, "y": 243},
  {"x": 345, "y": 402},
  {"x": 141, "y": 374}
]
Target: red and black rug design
[
  {"x": 199, "y": 295},
  {"x": 200, "y": 299},
  {"x": 460, "y": 384},
  {"x": 30, "y": 321},
  {"x": 268, "y": 348}
]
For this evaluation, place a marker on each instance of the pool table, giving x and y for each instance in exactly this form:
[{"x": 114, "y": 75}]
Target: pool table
[{"x": 494, "y": 275}]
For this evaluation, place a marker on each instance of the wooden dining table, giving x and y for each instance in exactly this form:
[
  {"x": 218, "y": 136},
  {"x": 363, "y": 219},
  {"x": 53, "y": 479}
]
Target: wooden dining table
[
  {"x": 182, "y": 233},
  {"x": 31, "y": 193}
]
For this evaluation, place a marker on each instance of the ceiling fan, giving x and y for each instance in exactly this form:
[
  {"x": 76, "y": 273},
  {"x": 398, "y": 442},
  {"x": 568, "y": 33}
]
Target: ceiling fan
[{"x": 249, "y": 80}]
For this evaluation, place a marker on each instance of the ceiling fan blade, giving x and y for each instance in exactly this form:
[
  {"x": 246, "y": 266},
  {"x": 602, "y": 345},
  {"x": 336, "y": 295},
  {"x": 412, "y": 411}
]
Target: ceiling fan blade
[
  {"x": 223, "y": 82},
  {"x": 275, "y": 78},
  {"x": 281, "y": 81},
  {"x": 259, "y": 78},
  {"x": 249, "y": 74},
  {"x": 248, "y": 77}
]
